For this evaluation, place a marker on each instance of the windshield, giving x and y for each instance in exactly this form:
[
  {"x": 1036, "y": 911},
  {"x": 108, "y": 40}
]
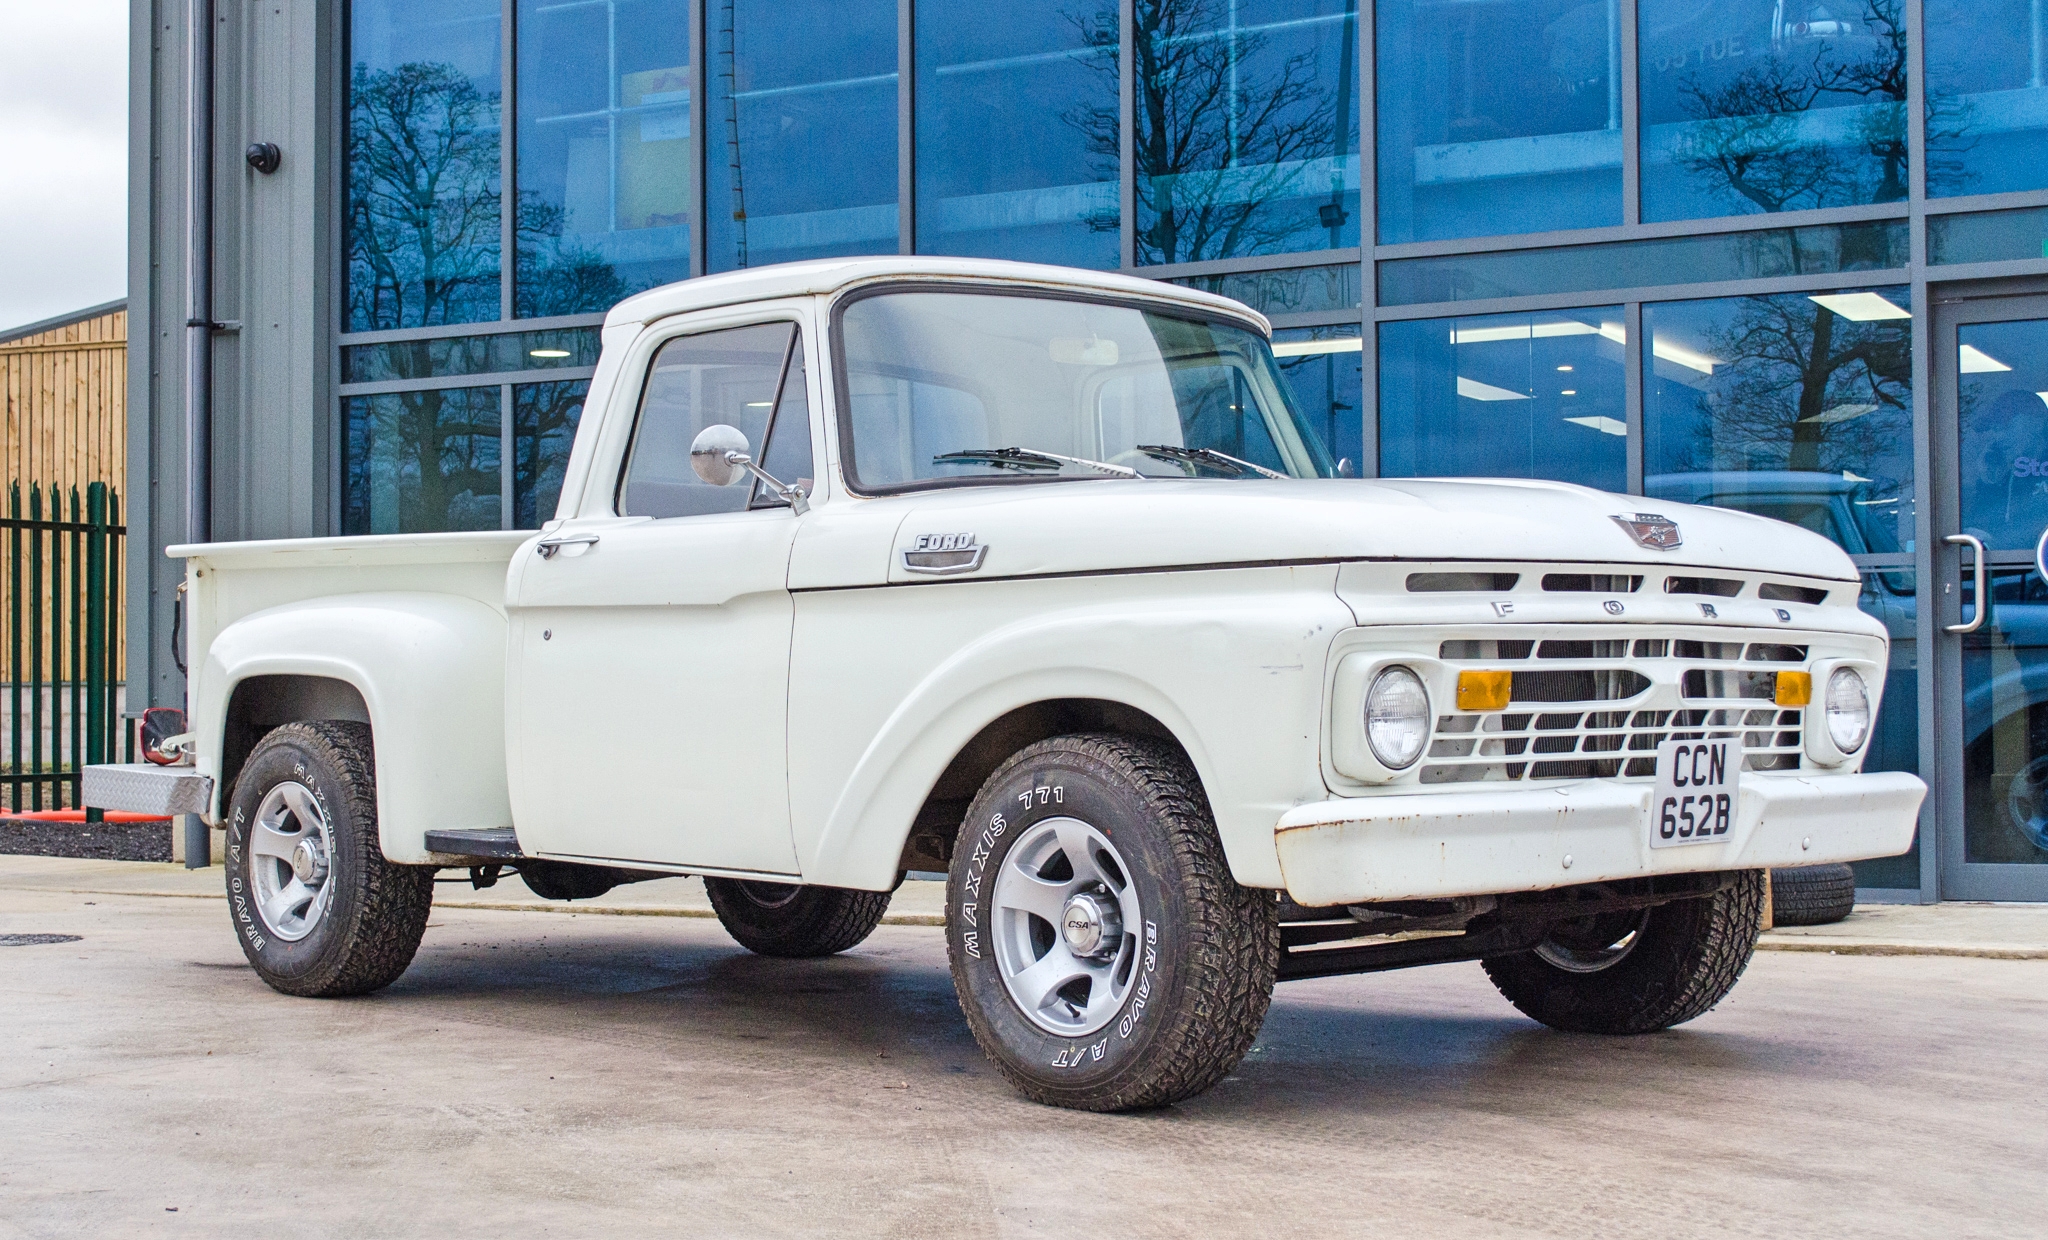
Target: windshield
[{"x": 952, "y": 387}]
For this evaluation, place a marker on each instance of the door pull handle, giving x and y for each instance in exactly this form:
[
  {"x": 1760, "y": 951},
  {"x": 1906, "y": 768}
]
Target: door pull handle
[
  {"x": 1976, "y": 621},
  {"x": 547, "y": 547}
]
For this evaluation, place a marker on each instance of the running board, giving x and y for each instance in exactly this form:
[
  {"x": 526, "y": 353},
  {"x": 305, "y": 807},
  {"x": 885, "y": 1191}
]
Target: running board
[{"x": 484, "y": 842}]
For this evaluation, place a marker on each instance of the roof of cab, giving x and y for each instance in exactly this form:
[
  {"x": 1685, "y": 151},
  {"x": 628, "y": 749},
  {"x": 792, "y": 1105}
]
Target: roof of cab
[{"x": 829, "y": 275}]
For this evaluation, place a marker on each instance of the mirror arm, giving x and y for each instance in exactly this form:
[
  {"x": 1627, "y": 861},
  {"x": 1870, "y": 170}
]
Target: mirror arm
[{"x": 798, "y": 502}]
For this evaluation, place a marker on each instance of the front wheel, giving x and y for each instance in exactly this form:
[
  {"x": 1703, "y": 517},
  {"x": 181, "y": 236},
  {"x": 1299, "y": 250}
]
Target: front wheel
[
  {"x": 1104, "y": 956},
  {"x": 319, "y": 910},
  {"x": 1637, "y": 972}
]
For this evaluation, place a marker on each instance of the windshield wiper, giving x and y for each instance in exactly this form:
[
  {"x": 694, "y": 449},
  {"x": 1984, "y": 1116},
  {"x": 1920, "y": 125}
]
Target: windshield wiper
[
  {"x": 1026, "y": 459},
  {"x": 1208, "y": 456}
]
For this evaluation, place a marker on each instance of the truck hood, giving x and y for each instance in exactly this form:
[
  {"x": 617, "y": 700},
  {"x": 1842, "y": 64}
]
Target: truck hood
[{"x": 1090, "y": 526}]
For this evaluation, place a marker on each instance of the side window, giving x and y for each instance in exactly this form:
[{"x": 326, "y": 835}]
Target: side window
[{"x": 698, "y": 381}]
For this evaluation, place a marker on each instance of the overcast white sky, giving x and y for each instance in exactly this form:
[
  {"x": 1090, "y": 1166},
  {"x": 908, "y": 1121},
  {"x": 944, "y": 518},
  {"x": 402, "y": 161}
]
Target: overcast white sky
[{"x": 63, "y": 156}]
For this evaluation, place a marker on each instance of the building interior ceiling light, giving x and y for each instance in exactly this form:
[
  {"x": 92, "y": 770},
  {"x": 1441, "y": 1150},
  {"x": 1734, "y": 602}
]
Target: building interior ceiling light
[
  {"x": 1606, "y": 426},
  {"x": 1860, "y": 307},
  {"x": 1476, "y": 390},
  {"x": 1841, "y": 413},
  {"x": 1304, "y": 348},
  {"x": 547, "y": 353},
  {"x": 1678, "y": 354},
  {"x": 1976, "y": 361},
  {"x": 1537, "y": 331}
]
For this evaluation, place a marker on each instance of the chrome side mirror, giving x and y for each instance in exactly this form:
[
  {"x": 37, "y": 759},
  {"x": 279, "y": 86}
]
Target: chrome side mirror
[
  {"x": 719, "y": 455},
  {"x": 713, "y": 453}
]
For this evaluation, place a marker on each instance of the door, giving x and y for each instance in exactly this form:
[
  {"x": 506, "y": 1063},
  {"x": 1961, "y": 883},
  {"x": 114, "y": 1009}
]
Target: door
[
  {"x": 649, "y": 683},
  {"x": 1991, "y": 372}
]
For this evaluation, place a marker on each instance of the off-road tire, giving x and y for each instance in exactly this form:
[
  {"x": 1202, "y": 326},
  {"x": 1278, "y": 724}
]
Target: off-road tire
[
  {"x": 377, "y": 910},
  {"x": 1686, "y": 958},
  {"x": 1205, "y": 958},
  {"x": 773, "y": 920},
  {"x": 1812, "y": 895}
]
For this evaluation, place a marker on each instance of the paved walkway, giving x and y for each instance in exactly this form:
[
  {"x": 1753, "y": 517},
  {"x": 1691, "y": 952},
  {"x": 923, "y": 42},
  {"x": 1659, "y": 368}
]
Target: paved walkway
[{"x": 1996, "y": 931}]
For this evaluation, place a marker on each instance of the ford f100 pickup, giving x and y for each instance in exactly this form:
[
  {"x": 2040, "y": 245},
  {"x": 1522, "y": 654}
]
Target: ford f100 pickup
[{"x": 1039, "y": 578}]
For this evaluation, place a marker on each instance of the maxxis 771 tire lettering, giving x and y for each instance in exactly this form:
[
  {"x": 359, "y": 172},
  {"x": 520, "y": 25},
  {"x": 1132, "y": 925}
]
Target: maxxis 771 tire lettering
[
  {"x": 1169, "y": 1007},
  {"x": 304, "y": 812},
  {"x": 1684, "y": 958}
]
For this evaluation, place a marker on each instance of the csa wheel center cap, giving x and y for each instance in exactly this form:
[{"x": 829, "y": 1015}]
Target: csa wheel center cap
[
  {"x": 309, "y": 862},
  {"x": 1091, "y": 924}
]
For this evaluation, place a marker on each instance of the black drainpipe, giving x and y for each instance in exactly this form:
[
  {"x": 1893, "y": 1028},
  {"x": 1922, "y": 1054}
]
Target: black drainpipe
[{"x": 199, "y": 324}]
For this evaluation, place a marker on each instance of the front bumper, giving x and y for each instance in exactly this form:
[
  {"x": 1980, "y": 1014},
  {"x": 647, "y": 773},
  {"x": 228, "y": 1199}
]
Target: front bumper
[{"x": 1409, "y": 846}]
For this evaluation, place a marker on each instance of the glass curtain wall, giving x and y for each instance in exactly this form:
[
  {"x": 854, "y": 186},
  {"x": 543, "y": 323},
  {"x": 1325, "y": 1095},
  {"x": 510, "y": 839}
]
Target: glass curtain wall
[
  {"x": 800, "y": 130},
  {"x": 1987, "y": 96},
  {"x": 1507, "y": 395},
  {"x": 1016, "y": 130},
  {"x": 422, "y": 214},
  {"x": 1498, "y": 116},
  {"x": 1770, "y": 105},
  {"x": 604, "y": 153},
  {"x": 1246, "y": 130},
  {"x": 1796, "y": 406}
]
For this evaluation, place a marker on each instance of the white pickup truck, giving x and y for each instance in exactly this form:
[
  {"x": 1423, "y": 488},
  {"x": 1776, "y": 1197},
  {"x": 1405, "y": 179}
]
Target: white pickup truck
[{"x": 1037, "y": 577}]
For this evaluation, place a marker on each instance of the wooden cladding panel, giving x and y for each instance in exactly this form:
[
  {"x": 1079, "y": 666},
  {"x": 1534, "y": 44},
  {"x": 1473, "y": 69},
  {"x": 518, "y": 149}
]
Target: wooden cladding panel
[{"x": 65, "y": 392}]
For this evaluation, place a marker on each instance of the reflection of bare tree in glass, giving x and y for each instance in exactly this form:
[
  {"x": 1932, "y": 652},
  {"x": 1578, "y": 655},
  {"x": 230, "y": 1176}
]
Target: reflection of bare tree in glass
[
  {"x": 424, "y": 208},
  {"x": 434, "y": 454},
  {"x": 544, "y": 424},
  {"x": 1752, "y": 135},
  {"x": 422, "y": 203},
  {"x": 1221, "y": 130},
  {"x": 1808, "y": 390}
]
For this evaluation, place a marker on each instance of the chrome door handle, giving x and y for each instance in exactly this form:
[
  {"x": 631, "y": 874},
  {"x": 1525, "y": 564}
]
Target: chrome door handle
[
  {"x": 1983, "y": 601},
  {"x": 547, "y": 547}
]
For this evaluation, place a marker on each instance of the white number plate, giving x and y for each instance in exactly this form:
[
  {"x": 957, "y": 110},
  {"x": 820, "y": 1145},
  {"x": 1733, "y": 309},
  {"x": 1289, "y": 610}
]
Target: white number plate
[{"x": 1696, "y": 790}]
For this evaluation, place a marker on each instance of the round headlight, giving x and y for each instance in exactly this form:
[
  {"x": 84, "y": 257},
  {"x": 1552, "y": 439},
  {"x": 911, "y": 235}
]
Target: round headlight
[
  {"x": 1397, "y": 718},
  {"x": 1848, "y": 710}
]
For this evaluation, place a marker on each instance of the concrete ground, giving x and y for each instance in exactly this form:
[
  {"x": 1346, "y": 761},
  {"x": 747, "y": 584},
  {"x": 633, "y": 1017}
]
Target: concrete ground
[{"x": 589, "y": 1074}]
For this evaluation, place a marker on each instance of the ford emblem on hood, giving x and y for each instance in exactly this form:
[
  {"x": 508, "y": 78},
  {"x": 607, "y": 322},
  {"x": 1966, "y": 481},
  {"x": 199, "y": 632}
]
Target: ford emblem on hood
[{"x": 1650, "y": 530}]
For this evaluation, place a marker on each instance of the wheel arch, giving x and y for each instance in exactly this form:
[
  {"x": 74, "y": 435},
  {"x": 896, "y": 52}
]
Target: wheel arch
[{"x": 929, "y": 842}]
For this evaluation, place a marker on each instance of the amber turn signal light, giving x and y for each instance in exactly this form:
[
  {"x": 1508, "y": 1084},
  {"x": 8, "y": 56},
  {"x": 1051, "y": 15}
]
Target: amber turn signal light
[
  {"x": 1484, "y": 690},
  {"x": 1795, "y": 688}
]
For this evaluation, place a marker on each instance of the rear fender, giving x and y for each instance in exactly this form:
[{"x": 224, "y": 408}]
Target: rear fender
[{"x": 429, "y": 669}]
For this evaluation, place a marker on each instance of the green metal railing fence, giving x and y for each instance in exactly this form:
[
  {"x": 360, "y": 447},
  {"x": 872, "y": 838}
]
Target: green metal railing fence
[{"x": 63, "y": 618}]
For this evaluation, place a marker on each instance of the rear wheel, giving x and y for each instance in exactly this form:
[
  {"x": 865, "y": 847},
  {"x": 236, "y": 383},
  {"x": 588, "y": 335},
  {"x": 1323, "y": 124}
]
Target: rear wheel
[
  {"x": 775, "y": 919},
  {"x": 1637, "y": 972},
  {"x": 1103, "y": 954},
  {"x": 319, "y": 911}
]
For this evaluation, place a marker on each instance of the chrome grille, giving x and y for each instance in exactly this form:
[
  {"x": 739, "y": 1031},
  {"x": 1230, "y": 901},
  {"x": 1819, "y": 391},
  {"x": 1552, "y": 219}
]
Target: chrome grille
[{"x": 1595, "y": 705}]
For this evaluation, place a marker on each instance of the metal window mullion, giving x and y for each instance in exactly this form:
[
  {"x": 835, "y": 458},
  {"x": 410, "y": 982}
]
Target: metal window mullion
[
  {"x": 1127, "y": 134},
  {"x": 1631, "y": 120},
  {"x": 505, "y": 450},
  {"x": 1916, "y": 118},
  {"x": 906, "y": 126},
  {"x": 508, "y": 127},
  {"x": 1368, "y": 400},
  {"x": 1633, "y": 377},
  {"x": 699, "y": 135}
]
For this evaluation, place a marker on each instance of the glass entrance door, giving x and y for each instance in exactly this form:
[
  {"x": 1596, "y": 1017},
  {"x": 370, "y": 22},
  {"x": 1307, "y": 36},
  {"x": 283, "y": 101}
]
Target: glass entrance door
[{"x": 1992, "y": 707}]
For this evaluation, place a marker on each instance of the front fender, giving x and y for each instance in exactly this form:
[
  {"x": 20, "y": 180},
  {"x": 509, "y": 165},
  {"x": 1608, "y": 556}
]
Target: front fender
[
  {"x": 430, "y": 670},
  {"x": 1237, "y": 681}
]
